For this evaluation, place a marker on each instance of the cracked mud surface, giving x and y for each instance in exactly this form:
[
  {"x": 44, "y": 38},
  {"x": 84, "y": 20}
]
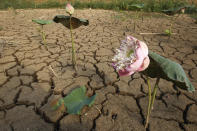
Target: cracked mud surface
[{"x": 28, "y": 86}]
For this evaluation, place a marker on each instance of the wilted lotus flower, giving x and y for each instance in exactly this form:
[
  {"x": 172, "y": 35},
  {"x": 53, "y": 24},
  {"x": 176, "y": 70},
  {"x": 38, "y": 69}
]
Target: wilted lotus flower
[
  {"x": 69, "y": 9},
  {"x": 131, "y": 57}
]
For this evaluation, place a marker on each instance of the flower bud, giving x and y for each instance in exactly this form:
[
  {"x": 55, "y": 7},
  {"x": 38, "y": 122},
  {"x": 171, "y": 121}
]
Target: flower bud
[{"x": 69, "y": 9}]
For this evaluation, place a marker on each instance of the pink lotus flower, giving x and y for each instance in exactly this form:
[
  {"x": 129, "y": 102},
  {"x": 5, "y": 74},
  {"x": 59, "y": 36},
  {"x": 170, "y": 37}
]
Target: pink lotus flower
[
  {"x": 69, "y": 9},
  {"x": 131, "y": 57}
]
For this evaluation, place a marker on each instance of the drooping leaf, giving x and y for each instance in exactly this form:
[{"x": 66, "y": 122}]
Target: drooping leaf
[
  {"x": 42, "y": 22},
  {"x": 75, "y": 22},
  {"x": 169, "y": 70},
  {"x": 75, "y": 101}
]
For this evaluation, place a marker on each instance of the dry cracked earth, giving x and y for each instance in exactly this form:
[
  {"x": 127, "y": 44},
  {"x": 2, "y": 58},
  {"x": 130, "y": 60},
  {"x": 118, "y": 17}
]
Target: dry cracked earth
[{"x": 28, "y": 85}]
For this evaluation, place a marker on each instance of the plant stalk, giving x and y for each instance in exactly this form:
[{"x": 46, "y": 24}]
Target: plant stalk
[
  {"x": 151, "y": 99},
  {"x": 73, "y": 46},
  {"x": 149, "y": 103},
  {"x": 142, "y": 16},
  {"x": 43, "y": 35},
  {"x": 172, "y": 23},
  {"x": 154, "y": 93}
]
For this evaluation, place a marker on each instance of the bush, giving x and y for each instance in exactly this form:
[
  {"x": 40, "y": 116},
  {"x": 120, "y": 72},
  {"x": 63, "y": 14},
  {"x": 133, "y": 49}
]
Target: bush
[{"x": 149, "y": 5}]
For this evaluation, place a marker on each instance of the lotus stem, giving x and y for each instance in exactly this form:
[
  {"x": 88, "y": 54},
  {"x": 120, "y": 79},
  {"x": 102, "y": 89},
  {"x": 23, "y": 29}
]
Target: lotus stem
[
  {"x": 154, "y": 92},
  {"x": 43, "y": 35},
  {"x": 142, "y": 15},
  {"x": 170, "y": 30},
  {"x": 73, "y": 46},
  {"x": 172, "y": 22},
  {"x": 44, "y": 38},
  {"x": 149, "y": 103},
  {"x": 151, "y": 99}
]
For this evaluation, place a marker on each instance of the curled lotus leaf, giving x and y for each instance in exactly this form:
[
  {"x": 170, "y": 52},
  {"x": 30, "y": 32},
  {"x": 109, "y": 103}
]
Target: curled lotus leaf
[
  {"x": 42, "y": 22},
  {"x": 75, "y": 22}
]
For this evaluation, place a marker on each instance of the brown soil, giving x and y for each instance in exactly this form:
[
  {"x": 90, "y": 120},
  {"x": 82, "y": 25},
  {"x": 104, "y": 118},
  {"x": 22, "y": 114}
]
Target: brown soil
[{"x": 28, "y": 86}]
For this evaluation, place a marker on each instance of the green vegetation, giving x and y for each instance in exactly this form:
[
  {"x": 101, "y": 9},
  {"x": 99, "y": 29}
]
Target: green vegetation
[
  {"x": 148, "y": 5},
  {"x": 168, "y": 32},
  {"x": 74, "y": 101},
  {"x": 22, "y": 4}
]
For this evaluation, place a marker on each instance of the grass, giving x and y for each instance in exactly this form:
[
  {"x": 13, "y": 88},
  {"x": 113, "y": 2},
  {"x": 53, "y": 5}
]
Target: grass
[
  {"x": 23, "y": 4},
  {"x": 150, "y": 5}
]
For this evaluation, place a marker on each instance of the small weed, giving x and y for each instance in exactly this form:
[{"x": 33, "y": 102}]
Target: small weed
[{"x": 168, "y": 32}]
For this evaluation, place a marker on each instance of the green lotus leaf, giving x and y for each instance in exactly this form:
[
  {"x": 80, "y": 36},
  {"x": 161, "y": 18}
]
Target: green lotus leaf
[
  {"x": 76, "y": 100},
  {"x": 169, "y": 70},
  {"x": 42, "y": 22},
  {"x": 138, "y": 6},
  {"x": 173, "y": 11}
]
